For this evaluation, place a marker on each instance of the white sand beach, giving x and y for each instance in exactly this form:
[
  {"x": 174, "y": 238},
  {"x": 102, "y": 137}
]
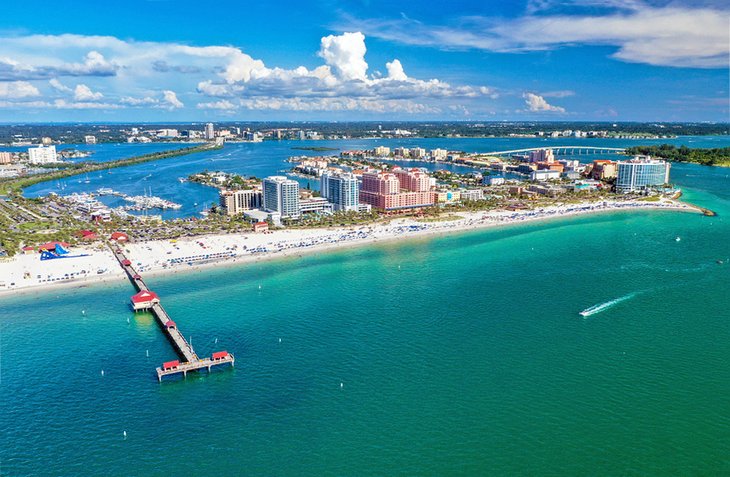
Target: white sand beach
[{"x": 28, "y": 272}]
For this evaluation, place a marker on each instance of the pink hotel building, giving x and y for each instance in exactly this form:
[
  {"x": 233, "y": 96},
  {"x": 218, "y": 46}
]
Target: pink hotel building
[{"x": 399, "y": 189}]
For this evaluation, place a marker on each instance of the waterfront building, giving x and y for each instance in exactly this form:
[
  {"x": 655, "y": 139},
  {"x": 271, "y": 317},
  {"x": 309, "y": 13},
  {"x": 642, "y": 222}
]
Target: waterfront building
[
  {"x": 256, "y": 215},
  {"x": 527, "y": 168},
  {"x": 261, "y": 227},
  {"x": 446, "y": 196},
  {"x": 401, "y": 151},
  {"x": 544, "y": 175},
  {"x": 546, "y": 190},
  {"x": 252, "y": 136},
  {"x": 542, "y": 155},
  {"x": 145, "y": 299},
  {"x": 552, "y": 166},
  {"x": 439, "y": 154},
  {"x": 493, "y": 181},
  {"x": 570, "y": 164},
  {"x": 399, "y": 189},
  {"x": 5, "y": 157},
  {"x": 603, "y": 170},
  {"x": 641, "y": 173},
  {"x": 281, "y": 194},
  {"x": 318, "y": 205},
  {"x": 415, "y": 180},
  {"x": 46, "y": 141},
  {"x": 168, "y": 133},
  {"x": 381, "y": 151},
  {"x": 364, "y": 208},
  {"x": 471, "y": 195},
  {"x": 236, "y": 201},
  {"x": 209, "y": 132},
  {"x": 90, "y": 139},
  {"x": 42, "y": 154},
  {"x": 340, "y": 188},
  {"x": 417, "y": 153}
]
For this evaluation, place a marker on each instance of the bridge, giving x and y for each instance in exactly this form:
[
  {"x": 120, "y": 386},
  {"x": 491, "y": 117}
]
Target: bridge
[
  {"x": 561, "y": 150},
  {"x": 183, "y": 348}
]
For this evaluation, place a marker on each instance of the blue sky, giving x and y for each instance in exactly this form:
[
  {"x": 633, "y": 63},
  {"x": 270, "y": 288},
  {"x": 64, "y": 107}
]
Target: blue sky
[{"x": 165, "y": 60}]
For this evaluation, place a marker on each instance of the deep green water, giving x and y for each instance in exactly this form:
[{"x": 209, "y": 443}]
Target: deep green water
[{"x": 462, "y": 354}]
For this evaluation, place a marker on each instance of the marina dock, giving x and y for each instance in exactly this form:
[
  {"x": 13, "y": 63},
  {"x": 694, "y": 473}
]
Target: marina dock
[{"x": 146, "y": 299}]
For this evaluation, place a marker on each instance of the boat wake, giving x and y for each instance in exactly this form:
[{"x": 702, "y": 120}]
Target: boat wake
[{"x": 592, "y": 310}]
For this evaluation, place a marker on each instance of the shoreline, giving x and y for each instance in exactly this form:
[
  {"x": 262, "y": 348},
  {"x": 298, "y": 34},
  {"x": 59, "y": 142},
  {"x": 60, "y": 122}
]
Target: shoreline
[{"x": 164, "y": 257}]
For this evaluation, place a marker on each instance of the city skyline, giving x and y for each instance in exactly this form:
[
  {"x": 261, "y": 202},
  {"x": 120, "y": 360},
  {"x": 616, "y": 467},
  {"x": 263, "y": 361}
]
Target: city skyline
[{"x": 159, "y": 61}]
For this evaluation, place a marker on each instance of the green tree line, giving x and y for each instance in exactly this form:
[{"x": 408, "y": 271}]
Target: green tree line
[{"x": 709, "y": 157}]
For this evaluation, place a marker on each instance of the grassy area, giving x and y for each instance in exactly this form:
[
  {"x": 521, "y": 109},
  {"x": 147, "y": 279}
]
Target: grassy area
[{"x": 39, "y": 225}]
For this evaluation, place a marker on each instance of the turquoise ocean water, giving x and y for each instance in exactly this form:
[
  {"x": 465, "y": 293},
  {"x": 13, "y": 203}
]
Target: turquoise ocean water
[{"x": 457, "y": 355}]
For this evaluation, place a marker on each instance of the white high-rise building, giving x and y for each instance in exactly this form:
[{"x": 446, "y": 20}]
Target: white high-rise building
[
  {"x": 281, "y": 194},
  {"x": 439, "y": 154},
  {"x": 418, "y": 153},
  {"x": 209, "y": 132},
  {"x": 42, "y": 154},
  {"x": 342, "y": 189},
  {"x": 237, "y": 201},
  {"x": 382, "y": 151},
  {"x": 640, "y": 173},
  {"x": 401, "y": 151}
]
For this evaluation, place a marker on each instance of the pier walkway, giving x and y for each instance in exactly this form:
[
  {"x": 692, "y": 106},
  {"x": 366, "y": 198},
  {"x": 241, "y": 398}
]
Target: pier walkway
[{"x": 150, "y": 301}]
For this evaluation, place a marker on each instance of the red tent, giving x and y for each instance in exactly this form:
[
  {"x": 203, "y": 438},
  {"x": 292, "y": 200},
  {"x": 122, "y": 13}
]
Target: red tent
[
  {"x": 51, "y": 246},
  {"x": 120, "y": 237},
  {"x": 219, "y": 355}
]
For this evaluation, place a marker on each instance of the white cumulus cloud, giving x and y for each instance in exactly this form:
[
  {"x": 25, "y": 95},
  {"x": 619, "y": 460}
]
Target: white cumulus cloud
[
  {"x": 130, "y": 73},
  {"x": 537, "y": 103},
  {"x": 58, "y": 86},
  {"x": 345, "y": 54},
  {"x": 170, "y": 100},
  {"x": 84, "y": 93},
  {"x": 395, "y": 71},
  {"x": 18, "y": 89}
]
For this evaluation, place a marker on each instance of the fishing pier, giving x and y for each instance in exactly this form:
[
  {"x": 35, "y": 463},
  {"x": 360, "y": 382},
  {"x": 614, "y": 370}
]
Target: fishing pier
[{"x": 146, "y": 299}]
